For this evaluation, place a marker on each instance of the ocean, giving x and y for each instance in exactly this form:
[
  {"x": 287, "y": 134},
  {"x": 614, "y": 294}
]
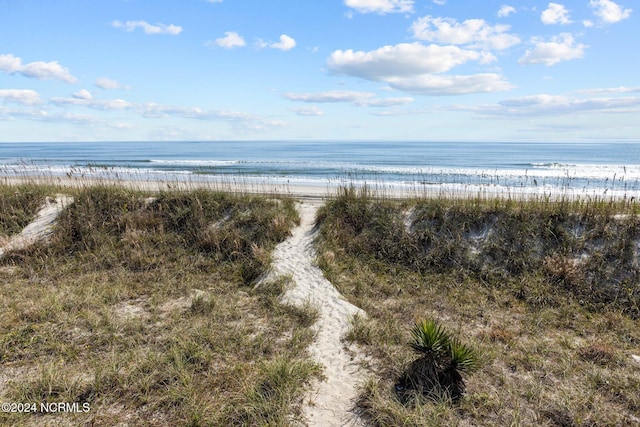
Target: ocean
[{"x": 592, "y": 169}]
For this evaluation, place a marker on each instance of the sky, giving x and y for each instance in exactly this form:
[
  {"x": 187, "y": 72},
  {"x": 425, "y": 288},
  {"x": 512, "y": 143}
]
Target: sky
[{"x": 419, "y": 70}]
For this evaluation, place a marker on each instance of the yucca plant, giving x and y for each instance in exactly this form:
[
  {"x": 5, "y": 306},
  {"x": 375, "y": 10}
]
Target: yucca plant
[{"x": 437, "y": 373}]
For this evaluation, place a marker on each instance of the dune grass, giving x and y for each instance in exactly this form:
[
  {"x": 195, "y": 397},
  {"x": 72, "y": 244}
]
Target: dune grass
[
  {"x": 546, "y": 291},
  {"x": 143, "y": 306},
  {"x": 18, "y": 205}
]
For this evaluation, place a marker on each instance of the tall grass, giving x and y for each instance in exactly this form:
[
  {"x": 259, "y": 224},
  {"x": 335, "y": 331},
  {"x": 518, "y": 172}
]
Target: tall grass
[
  {"x": 18, "y": 205},
  {"x": 586, "y": 250},
  {"x": 141, "y": 305},
  {"x": 546, "y": 290}
]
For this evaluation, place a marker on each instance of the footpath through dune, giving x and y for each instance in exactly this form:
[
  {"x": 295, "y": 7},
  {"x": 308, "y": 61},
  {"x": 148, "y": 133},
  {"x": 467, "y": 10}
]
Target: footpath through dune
[
  {"x": 41, "y": 227},
  {"x": 331, "y": 400}
]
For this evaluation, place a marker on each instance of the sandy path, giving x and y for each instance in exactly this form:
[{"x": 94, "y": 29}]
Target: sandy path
[
  {"x": 41, "y": 227},
  {"x": 332, "y": 399}
]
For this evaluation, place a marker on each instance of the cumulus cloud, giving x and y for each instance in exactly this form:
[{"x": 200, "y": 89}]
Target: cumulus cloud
[
  {"x": 364, "y": 99},
  {"x": 415, "y": 68},
  {"x": 109, "y": 84},
  {"x": 506, "y": 10},
  {"x": 286, "y": 43},
  {"x": 20, "y": 96},
  {"x": 476, "y": 33},
  {"x": 83, "y": 94},
  {"x": 129, "y": 26},
  {"x": 230, "y": 40},
  {"x": 404, "y": 59},
  {"x": 38, "y": 70},
  {"x": 559, "y": 48},
  {"x": 555, "y": 14},
  {"x": 609, "y": 12},
  {"x": 381, "y": 6}
]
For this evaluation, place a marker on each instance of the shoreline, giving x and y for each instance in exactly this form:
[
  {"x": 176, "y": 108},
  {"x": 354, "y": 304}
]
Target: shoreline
[{"x": 377, "y": 189}]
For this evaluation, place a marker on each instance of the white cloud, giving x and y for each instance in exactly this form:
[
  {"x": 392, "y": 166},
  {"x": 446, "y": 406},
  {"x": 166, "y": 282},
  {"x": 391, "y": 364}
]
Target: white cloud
[
  {"x": 555, "y": 105},
  {"x": 451, "y": 85},
  {"x": 59, "y": 117},
  {"x": 506, "y": 10},
  {"x": 38, "y": 70},
  {"x": 239, "y": 120},
  {"x": 89, "y": 102},
  {"x": 545, "y": 104},
  {"x": 404, "y": 59},
  {"x": 109, "y": 84},
  {"x": 20, "y": 96},
  {"x": 363, "y": 99},
  {"x": 386, "y": 102},
  {"x": 475, "y": 33},
  {"x": 555, "y": 14},
  {"x": 129, "y": 26},
  {"x": 230, "y": 40},
  {"x": 308, "y": 111},
  {"x": 440, "y": 2},
  {"x": 620, "y": 89},
  {"x": 411, "y": 68},
  {"x": 329, "y": 96},
  {"x": 285, "y": 43},
  {"x": 609, "y": 12},
  {"x": 380, "y": 6},
  {"x": 83, "y": 94},
  {"x": 559, "y": 48},
  {"x": 28, "y": 114}
]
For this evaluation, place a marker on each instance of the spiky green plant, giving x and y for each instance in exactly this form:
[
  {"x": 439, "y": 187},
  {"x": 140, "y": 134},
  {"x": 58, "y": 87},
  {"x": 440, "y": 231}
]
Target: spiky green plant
[
  {"x": 429, "y": 338},
  {"x": 437, "y": 373}
]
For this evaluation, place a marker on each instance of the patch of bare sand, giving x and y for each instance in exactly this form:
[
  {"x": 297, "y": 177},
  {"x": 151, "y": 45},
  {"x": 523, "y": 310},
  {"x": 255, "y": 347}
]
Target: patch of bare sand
[{"x": 331, "y": 401}]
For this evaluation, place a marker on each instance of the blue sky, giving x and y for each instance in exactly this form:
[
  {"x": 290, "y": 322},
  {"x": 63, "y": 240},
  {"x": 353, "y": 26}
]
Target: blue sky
[{"x": 112, "y": 70}]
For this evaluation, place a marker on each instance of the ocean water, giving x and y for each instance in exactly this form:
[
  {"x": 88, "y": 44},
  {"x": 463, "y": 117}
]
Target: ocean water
[{"x": 575, "y": 168}]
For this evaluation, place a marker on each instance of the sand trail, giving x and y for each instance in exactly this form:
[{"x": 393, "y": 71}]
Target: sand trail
[
  {"x": 332, "y": 399},
  {"x": 41, "y": 227}
]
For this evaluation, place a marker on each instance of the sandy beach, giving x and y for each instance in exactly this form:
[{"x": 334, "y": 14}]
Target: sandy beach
[{"x": 319, "y": 193}]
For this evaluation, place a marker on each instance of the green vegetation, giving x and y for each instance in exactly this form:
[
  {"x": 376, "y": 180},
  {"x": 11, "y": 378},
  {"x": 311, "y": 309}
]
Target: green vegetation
[
  {"x": 437, "y": 373},
  {"x": 143, "y": 306},
  {"x": 546, "y": 291},
  {"x": 18, "y": 205}
]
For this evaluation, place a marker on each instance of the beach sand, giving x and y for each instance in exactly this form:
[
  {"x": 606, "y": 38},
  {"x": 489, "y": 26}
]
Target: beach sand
[{"x": 332, "y": 399}]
